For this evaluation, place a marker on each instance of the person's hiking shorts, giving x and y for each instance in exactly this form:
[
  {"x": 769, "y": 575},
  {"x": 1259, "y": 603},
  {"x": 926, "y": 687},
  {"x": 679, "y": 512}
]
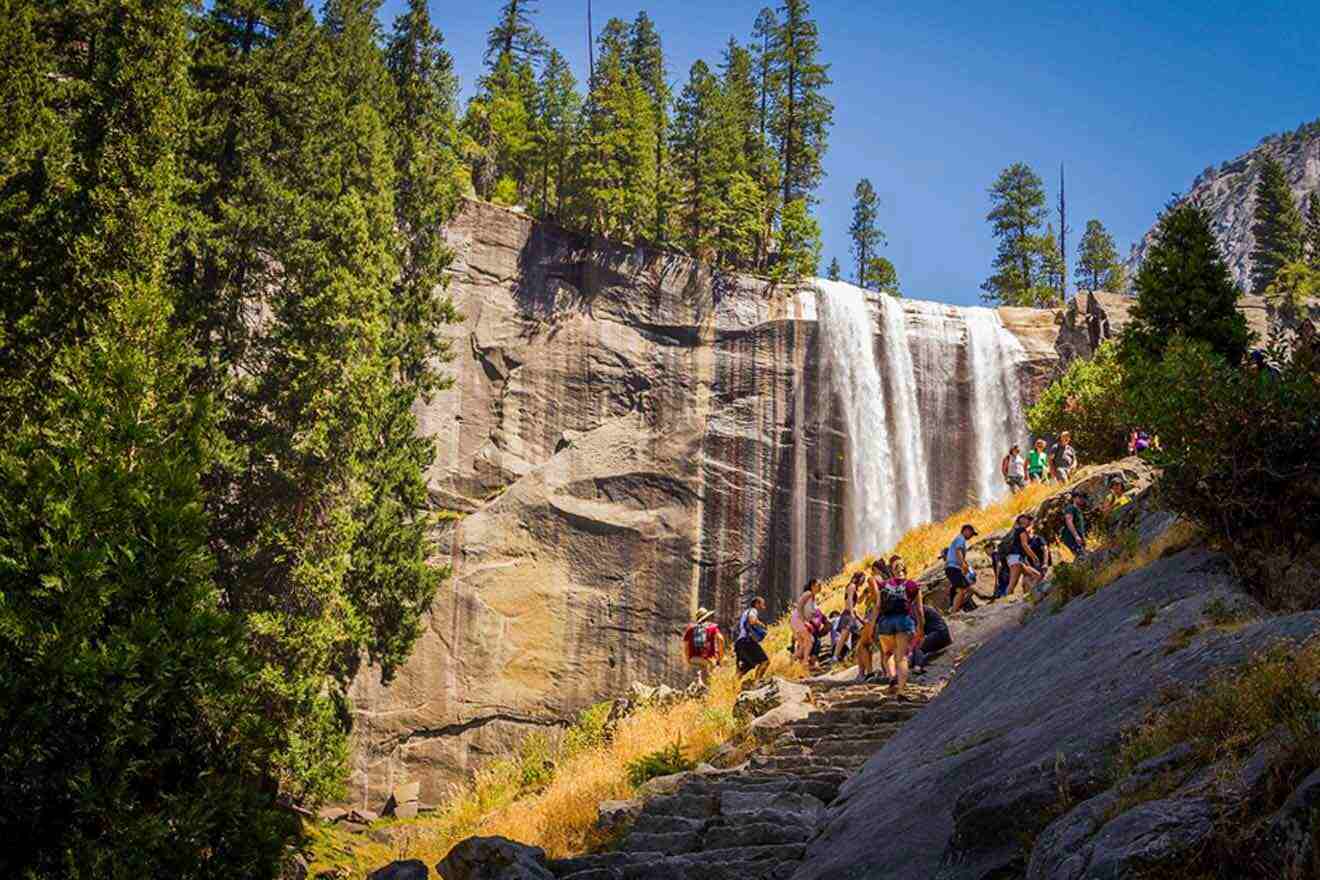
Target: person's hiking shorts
[
  {"x": 957, "y": 579},
  {"x": 750, "y": 654},
  {"x": 1064, "y": 474},
  {"x": 706, "y": 664},
  {"x": 1015, "y": 483},
  {"x": 894, "y": 624},
  {"x": 1036, "y": 476}
]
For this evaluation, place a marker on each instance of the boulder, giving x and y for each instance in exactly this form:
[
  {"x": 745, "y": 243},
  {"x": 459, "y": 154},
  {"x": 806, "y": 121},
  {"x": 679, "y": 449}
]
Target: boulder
[
  {"x": 1136, "y": 475},
  {"x": 409, "y": 869},
  {"x": 402, "y": 803},
  {"x": 1292, "y": 833},
  {"x": 756, "y": 702},
  {"x": 662, "y": 785},
  {"x": 493, "y": 858},
  {"x": 614, "y": 816}
]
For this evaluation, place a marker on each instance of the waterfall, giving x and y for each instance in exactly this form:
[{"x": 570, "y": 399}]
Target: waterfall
[
  {"x": 880, "y": 418},
  {"x": 901, "y": 472},
  {"x": 996, "y": 403}
]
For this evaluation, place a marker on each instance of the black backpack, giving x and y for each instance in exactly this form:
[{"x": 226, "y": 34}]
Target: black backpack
[
  {"x": 893, "y": 599},
  {"x": 1011, "y": 544}
]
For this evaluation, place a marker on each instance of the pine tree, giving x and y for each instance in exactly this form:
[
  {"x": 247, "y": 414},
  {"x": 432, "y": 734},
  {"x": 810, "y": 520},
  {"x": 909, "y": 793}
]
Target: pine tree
[
  {"x": 801, "y": 114},
  {"x": 1047, "y": 293},
  {"x": 1313, "y": 230},
  {"x": 647, "y": 59},
  {"x": 1017, "y": 211},
  {"x": 835, "y": 271},
  {"x": 697, "y": 159},
  {"x": 1184, "y": 287},
  {"x": 882, "y": 277},
  {"x": 128, "y": 734},
  {"x": 764, "y": 36},
  {"x": 558, "y": 117},
  {"x": 618, "y": 186},
  {"x": 514, "y": 38},
  {"x": 758, "y": 166},
  {"x": 1098, "y": 267},
  {"x": 799, "y": 245},
  {"x": 864, "y": 230},
  {"x": 1277, "y": 225}
]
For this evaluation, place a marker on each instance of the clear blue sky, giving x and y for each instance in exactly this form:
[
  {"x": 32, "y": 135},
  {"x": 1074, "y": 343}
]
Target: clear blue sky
[{"x": 933, "y": 99}]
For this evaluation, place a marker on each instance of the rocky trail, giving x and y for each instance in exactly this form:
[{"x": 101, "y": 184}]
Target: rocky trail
[{"x": 755, "y": 820}]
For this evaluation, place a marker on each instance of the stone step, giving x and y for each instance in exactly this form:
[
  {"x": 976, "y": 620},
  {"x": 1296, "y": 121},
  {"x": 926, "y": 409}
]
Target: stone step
[
  {"x": 807, "y": 732},
  {"x": 649, "y": 823},
  {"x": 738, "y": 863},
  {"x": 847, "y": 747},
  {"x": 806, "y": 764},
  {"x": 726, "y": 835},
  {"x": 691, "y": 806},
  {"x": 822, "y": 786},
  {"x": 672, "y": 843},
  {"x": 578, "y": 866},
  {"x": 860, "y": 715}
]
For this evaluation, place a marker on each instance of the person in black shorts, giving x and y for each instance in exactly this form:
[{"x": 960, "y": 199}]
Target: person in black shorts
[
  {"x": 958, "y": 570},
  {"x": 747, "y": 641}
]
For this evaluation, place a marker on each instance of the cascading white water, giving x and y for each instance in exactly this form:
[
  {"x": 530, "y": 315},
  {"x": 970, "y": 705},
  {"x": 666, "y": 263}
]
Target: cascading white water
[
  {"x": 892, "y": 457},
  {"x": 996, "y": 412}
]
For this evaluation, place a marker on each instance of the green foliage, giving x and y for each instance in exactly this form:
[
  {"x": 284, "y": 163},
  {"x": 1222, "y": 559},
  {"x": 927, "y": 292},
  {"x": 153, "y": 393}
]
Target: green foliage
[
  {"x": 1294, "y": 284},
  {"x": 1184, "y": 288},
  {"x": 129, "y": 734},
  {"x": 1098, "y": 267},
  {"x": 589, "y": 730},
  {"x": 1238, "y": 451},
  {"x": 1089, "y": 400},
  {"x": 220, "y": 285},
  {"x": 882, "y": 276},
  {"x": 1313, "y": 231},
  {"x": 663, "y": 762},
  {"x": 835, "y": 271},
  {"x": 1021, "y": 276},
  {"x": 802, "y": 114},
  {"x": 865, "y": 232},
  {"x": 799, "y": 245},
  {"x": 1277, "y": 226}
]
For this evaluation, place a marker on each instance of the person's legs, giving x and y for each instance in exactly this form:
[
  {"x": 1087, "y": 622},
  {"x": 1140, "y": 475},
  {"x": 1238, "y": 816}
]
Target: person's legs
[
  {"x": 1030, "y": 578},
  {"x": 887, "y": 646},
  {"x": 897, "y": 645},
  {"x": 1014, "y": 575}
]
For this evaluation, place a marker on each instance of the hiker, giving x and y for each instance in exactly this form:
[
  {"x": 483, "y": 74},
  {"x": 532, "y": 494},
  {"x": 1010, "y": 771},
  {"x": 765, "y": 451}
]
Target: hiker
[
  {"x": 1037, "y": 461},
  {"x": 850, "y": 621},
  {"x": 864, "y": 643},
  {"x": 1115, "y": 499},
  {"x": 820, "y": 627},
  {"x": 999, "y": 565},
  {"x": 804, "y": 611},
  {"x": 1041, "y": 548},
  {"x": 703, "y": 644},
  {"x": 1014, "y": 469},
  {"x": 898, "y": 615},
  {"x": 933, "y": 639},
  {"x": 747, "y": 639},
  {"x": 1063, "y": 458},
  {"x": 957, "y": 570},
  {"x": 1023, "y": 563},
  {"x": 1073, "y": 533}
]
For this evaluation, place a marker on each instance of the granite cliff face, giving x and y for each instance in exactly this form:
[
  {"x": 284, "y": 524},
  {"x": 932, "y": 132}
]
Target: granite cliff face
[
  {"x": 1228, "y": 192},
  {"x": 629, "y": 435}
]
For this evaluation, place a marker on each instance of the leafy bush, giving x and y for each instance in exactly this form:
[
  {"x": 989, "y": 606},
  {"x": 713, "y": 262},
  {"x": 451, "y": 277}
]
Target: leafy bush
[
  {"x": 588, "y": 731},
  {"x": 1089, "y": 401},
  {"x": 662, "y": 762},
  {"x": 1238, "y": 451}
]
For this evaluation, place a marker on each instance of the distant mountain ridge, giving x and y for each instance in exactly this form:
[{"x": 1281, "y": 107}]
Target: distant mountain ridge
[{"x": 1229, "y": 193}]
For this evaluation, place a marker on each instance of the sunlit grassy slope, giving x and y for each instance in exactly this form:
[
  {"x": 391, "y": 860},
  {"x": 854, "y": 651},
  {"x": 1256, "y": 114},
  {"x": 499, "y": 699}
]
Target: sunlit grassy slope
[{"x": 548, "y": 797}]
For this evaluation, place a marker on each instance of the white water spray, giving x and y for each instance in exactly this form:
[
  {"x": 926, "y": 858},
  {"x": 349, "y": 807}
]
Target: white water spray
[{"x": 891, "y": 455}]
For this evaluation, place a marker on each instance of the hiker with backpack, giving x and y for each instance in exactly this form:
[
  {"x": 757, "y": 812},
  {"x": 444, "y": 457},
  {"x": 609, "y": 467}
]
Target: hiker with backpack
[
  {"x": 747, "y": 640},
  {"x": 1073, "y": 533},
  {"x": 1014, "y": 469},
  {"x": 1024, "y": 566},
  {"x": 898, "y": 616},
  {"x": 1063, "y": 458},
  {"x": 804, "y": 613},
  {"x": 850, "y": 621},
  {"x": 703, "y": 644},
  {"x": 958, "y": 570}
]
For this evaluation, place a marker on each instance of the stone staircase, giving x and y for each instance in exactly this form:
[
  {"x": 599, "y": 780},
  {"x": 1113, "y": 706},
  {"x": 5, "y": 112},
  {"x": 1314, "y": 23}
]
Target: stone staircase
[{"x": 754, "y": 821}]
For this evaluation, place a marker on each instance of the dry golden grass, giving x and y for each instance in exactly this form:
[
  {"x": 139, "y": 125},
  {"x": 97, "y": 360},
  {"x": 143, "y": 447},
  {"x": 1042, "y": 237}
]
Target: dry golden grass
[
  {"x": 1074, "y": 581},
  {"x": 560, "y": 815}
]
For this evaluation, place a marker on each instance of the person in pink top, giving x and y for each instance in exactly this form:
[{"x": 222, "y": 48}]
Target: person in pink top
[{"x": 804, "y": 611}]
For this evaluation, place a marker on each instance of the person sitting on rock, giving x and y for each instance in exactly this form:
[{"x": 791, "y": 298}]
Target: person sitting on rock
[
  {"x": 804, "y": 611},
  {"x": 1037, "y": 461},
  {"x": 703, "y": 645},
  {"x": 1014, "y": 469},
  {"x": 933, "y": 639},
  {"x": 747, "y": 640},
  {"x": 1063, "y": 458},
  {"x": 1073, "y": 533},
  {"x": 957, "y": 569},
  {"x": 896, "y": 618},
  {"x": 1115, "y": 500}
]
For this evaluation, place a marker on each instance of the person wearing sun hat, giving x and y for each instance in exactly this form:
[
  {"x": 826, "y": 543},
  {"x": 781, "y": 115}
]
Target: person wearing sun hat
[{"x": 703, "y": 644}]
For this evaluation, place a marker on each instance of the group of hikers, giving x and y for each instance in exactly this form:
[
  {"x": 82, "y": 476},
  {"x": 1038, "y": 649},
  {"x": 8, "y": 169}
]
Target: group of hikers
[{"x": 885, "y": 623}]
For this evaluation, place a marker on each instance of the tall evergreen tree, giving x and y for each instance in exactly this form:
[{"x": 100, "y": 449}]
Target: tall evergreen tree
[
  {"x": 514, "y": 37},
  {"x": 618, "y": 186},
  {"x": 882, "y": 277},
  {"x": 1313, "y": 230},
  {"x": 757, "y": 167},
  {"x": 864, "y": 230},
  {"x": 1184, "y": 288},
  {"x": 835, "y": 271},
  {"x": 129, "y": 736},
  {"x": 764, "y": 37},
  {"x": 798, "y": 242},
  {"x": 1017, "y": 211},
  {"x": 647, "y": 59},
  {"x": 1098, "y": 267},
  {"x": 801, "y": 115},
  {"x": 1048, "y": 292},
  {"x": 698, "y": 158},
  {"x": 558, "y": 117},
  {"x": 1277, "y": 225}
]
